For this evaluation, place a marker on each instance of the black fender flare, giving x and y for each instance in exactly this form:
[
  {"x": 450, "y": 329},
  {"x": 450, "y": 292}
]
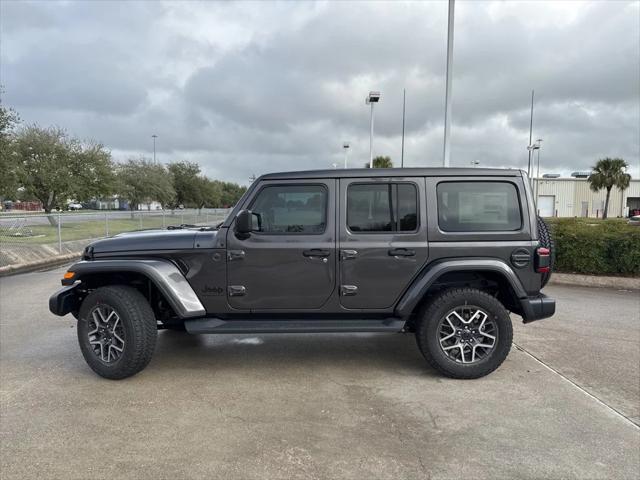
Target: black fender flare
[
  {"x": 430, "y": 274},
  {"x": 164, "y": 275}
]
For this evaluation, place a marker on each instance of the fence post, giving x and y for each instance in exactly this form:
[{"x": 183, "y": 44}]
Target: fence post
[
  {"x": 106, "y": 223},
  {"x": 163, "y": 220},
  {"x": 59, "y": 234},
  {"x": 140, "y": 218}
]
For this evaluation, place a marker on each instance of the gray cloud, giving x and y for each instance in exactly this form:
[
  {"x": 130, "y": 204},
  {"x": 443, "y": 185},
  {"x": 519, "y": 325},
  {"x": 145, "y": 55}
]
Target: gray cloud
[{"x": 247, "y": 88}]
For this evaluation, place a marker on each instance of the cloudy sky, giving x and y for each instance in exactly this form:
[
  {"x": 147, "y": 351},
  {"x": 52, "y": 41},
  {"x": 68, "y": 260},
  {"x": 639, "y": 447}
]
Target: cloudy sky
[{"x": 252, "y": 87}]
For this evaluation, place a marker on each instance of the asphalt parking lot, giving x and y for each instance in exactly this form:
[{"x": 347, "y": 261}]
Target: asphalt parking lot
[{"x": 565, "y": 404}]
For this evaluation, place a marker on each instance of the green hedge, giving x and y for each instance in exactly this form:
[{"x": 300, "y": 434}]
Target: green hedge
[{"x": 596, "y": 247}]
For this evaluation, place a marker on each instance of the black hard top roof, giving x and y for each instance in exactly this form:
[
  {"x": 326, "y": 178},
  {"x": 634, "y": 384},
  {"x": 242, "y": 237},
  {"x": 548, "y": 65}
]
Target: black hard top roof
[{"x": 395, "y": 172}]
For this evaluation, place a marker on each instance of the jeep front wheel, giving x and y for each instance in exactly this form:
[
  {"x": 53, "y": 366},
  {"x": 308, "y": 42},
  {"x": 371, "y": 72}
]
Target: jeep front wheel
[
  {"x": 117, "y": 331},
  {"x": 464, "y": 333}
]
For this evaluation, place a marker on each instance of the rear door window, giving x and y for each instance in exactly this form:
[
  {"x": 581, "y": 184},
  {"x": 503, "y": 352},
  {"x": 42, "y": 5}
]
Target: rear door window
[
  {"x": 478, "y": 207},
  {"x": 382, "y": 207}
]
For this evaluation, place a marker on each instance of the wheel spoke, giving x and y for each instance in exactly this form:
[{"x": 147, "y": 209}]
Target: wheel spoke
[
  {"x": 113, "y": 312},
  {"x": 447, "y": 337},
  {"x": 457, "y": 315},
  {"x": 462, "y": 353},
  {"x": 486, "y": 335}
]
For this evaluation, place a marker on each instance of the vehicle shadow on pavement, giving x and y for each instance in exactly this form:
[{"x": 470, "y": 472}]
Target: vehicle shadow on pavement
[{"x": 374, "y": 351}]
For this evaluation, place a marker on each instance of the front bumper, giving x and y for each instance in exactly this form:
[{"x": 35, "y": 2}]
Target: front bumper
[
  {"x": 537, "y": 308},
  {"x": 65, "y": 300}
]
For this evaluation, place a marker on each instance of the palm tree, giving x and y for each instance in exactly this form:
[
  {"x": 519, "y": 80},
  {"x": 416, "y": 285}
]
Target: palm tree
[
  {"x": 380, "y": 162},
  {"x": 609, "y": 173}
]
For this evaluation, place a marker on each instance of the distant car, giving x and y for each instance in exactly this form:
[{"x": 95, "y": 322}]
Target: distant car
[
  {"x": 635, "y": 220},
  {"x": 74, "y": 206}
]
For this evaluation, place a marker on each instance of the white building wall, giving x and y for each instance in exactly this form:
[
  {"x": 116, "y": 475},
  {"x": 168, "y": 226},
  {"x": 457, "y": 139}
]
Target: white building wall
[{"x": 573, "y": 194}]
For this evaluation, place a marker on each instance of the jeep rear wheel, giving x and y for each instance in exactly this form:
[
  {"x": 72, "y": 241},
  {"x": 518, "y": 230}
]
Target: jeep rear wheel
[
  {"x": 464, "y": 333},
  {"x": 117, "y": 331}
]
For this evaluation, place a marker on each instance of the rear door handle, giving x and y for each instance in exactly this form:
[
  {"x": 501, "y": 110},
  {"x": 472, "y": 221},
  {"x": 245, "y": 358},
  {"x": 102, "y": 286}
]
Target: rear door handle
[
  {"x": 317, "y": 252},
  {"x": 402, "y": 252}
]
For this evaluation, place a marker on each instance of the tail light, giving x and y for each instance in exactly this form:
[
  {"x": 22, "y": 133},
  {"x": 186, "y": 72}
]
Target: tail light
[{"x": 543, "y": 260}]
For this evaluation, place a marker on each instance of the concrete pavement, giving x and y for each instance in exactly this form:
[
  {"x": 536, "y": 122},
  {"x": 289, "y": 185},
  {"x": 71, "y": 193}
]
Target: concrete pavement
[{"x": 321, "y": 406}]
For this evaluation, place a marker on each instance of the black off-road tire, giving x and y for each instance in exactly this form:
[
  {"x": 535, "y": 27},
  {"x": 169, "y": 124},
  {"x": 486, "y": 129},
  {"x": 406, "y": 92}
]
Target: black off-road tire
[
  {"x": 428, "y": 338},
  {"x": 139, "y": 328},
  {"x": 546, "y": 240}
]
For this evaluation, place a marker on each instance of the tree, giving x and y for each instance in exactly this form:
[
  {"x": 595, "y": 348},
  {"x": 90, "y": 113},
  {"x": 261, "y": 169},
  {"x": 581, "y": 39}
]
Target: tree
[
  {"x": 380, "y": 162},
  {"x": 210, "y": 192},
  {"x": 609, "y": 173},
  {"x": 186, "y": 183},
  {"x": 54, "y": 168},
  {"x": 231, "y": 193},
  {"x": 8, "y": 177},
  {"x": 142, "y": 181}
]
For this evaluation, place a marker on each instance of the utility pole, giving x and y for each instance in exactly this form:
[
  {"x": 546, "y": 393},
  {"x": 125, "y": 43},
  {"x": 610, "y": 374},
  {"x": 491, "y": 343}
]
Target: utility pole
[
  {"x": 404, "y": 103},
  {"x": 530, "y": 135},
  {"x": 345, "y": 146},
  {"x": 154, "y": 136},
  {"x": 448, "y": 92},
  {"x": 372, "y": 99}
]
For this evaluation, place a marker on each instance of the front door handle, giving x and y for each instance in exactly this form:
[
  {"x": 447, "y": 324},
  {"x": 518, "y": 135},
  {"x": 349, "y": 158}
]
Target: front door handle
[
  {"x": 317, "y": 252},
  {"x": 402, "y": 252}
]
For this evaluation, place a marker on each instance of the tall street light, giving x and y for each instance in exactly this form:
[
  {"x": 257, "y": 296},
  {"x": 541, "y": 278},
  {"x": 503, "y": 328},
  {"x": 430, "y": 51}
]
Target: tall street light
[
  {"x": 448, "y": 91},
  {"x": 539, "y": 143},
  {"x": 529, "y": 167},
  {"x": 532, "y": 148},
  {"x": 345, "y": 146},
  {"x": 372, "y": 99},
  {"x": 154, "y": 136}
]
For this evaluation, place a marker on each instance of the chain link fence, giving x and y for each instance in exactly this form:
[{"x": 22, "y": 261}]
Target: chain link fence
[{"x": 29, "y": 237}]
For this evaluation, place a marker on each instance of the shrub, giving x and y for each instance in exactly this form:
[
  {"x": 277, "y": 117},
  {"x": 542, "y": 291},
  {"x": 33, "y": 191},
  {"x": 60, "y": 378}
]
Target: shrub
[{"x": 597, "y": 247}]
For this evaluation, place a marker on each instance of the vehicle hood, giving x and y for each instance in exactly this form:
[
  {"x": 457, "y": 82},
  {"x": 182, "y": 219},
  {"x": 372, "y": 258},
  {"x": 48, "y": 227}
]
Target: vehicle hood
[{"x": 148, "y": 240}]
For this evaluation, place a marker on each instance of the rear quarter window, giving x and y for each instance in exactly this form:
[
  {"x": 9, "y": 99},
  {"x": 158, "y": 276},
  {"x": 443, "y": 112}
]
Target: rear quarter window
[{"x": 478, "y": 207}]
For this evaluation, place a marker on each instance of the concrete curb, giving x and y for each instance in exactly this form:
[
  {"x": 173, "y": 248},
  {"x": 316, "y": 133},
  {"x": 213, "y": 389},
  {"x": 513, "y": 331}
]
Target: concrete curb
[
  {"x": 625, "y": 283},
  {"x": 39, "y": 264}
]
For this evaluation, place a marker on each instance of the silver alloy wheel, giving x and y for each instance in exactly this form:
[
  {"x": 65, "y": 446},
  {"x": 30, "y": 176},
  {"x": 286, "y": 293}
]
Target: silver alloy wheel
[
  {"x": 467, "y": 334},
  {"x": 106, "y": 333}
]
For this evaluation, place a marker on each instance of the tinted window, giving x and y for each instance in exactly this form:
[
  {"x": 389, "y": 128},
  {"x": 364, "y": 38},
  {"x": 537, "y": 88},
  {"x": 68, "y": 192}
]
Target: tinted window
[
  {"x": 291, "y": 209},
  {"x": 382, "y": 207},
  {"x": 478, "y": 207}
]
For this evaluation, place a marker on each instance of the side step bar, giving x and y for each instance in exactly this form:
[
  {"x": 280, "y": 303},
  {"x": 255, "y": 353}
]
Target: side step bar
[{"x": 216, "y": 325}]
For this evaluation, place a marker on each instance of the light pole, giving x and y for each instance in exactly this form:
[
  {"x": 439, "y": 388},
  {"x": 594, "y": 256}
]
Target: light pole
[
  {"x": 448, "y": 91},
  {"x": 154, "y": 136},
  {"x": 539, "y": 143},
  {"x": 404, "y": 105},
  {"x": 529, "y": 171},
  {"x": 532, "y": 148},
  {"x": 372, "y": 99},
  {"x": 345, "y": 146}
]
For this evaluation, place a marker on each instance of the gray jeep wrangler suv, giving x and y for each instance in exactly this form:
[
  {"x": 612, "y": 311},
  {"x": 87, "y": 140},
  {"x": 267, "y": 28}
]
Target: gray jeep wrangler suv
[{"x": 443, "y": 253}]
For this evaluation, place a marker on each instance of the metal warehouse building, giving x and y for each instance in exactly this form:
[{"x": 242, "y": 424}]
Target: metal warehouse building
[{"x": 572, "y": 197}]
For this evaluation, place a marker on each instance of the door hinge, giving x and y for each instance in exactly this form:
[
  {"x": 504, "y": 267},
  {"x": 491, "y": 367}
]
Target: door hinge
[
  {"x": 235, "y": 255},
  {"x": 348, "y": 290},
  {"x": 237, "y": 290},
  {"x": 348, "y": 254}
]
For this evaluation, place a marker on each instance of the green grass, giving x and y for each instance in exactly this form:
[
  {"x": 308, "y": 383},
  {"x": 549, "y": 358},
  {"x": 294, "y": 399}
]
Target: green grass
[{"x": 42, "y": 234}]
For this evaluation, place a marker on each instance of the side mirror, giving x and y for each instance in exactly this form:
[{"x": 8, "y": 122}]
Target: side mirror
[{"x": 243, "y": 226}]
